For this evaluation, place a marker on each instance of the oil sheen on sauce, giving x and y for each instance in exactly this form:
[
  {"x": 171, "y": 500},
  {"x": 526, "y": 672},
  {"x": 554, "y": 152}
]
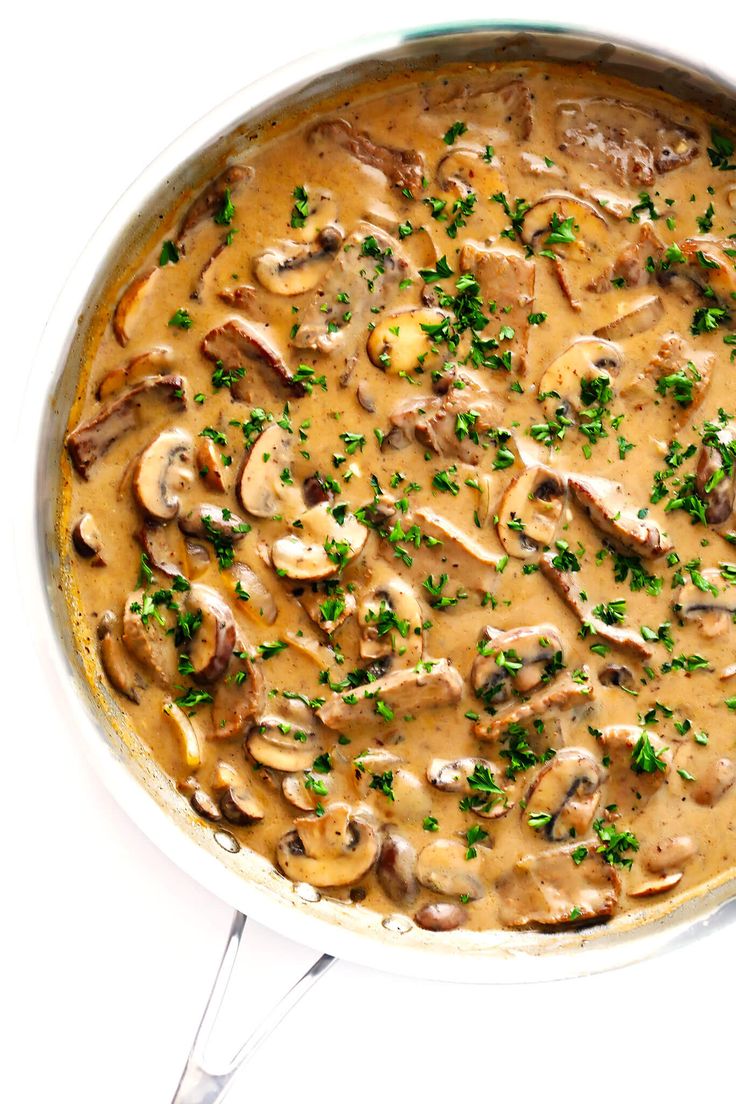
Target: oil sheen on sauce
[{"x": 400, "y": 497}]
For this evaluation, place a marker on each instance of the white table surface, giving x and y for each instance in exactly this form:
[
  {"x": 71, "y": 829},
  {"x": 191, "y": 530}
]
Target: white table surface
[{"x": 107, "y": 949}]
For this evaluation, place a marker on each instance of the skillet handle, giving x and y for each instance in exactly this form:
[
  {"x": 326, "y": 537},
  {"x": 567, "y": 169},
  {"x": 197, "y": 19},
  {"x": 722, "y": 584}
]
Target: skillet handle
[{"x": 200, "y": 1084}]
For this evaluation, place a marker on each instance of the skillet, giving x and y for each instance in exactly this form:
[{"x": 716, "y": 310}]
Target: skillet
[{"x": 212, "y": 857}]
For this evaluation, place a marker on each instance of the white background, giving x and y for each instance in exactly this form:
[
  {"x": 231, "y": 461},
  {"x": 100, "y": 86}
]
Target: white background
[{"x": 108, "y": 950}]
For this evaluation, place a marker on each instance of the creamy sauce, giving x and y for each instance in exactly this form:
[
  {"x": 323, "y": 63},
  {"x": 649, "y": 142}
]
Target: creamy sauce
[{"x": 450, "y": 357}]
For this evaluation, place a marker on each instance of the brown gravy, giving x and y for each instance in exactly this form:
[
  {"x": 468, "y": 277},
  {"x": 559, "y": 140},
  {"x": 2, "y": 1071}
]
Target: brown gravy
[{"x": 401, "y": 491}]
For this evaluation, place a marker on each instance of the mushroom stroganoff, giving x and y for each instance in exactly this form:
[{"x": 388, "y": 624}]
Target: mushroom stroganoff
[{"x": 399, "y": 497}]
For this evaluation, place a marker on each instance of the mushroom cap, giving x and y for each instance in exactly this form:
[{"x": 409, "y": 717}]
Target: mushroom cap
[
  {"x": 398, "y": 340},
  {"x": 443, "y": 867},
  {"x": 86, "y": 537},
  {"x": 441, "y": 916},
  {"x": 530, "y": 511},
  {"x": 395, "y": 869},
  {"x": 162, "y": 473},
  {"x": 335, "y": 849}
]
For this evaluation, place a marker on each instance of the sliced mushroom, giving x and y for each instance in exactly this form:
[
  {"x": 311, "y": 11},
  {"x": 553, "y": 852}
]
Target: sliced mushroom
[
  {"x": 239, "y": 345},
  {"x": 166, "y": 549},
  {"x": 265, "y": 485},
  {"x": 238, "y": 801},
  {"x": 213, "y": 641},
  {"x": 465, "y": 171},
  {"x": 205, "y": 806},
  {"x": 564, "y": 693},
  {"x": 549, "y": 889},
  {"x": 610, "y": 510},
  {"x": 395, "y": 869},
  {"x": 454, "y": 776},
  {"x": 186, "y": 733},
  {"x": 210, "y": 201},
  {"x": 294, "y": 789},
  {"x": 586, "y": 359},
  {"x": 205, "y": 521},
  {"x": 715, "y": 484},
  {"x": 238, "y": 698},
  {"x": 296, "y": 269},
  {"x": 93, "y": 438},
  {"x": 321, "y": 216},
  {"x": 87, "y": 540},
  {"x": 154, "y": 362},
  {"x": 120, "y": 674},
  {"x": 714, "y": 613},
  {"x": 284, "y": 743},
  {"x": 198, "y": 559},
  {"x": 335, "y": 849},
  {"x": 403, "y": 341},
  {"x": 322, "y": 547},
  {"x": 630, "y": 143},
  {"x": 645, "y": 314},
  {"x": 506, "y": 277},
  {"x": 390, "y": 619},
  {"x": 208, "y": 465},
  {"x": 582, "y": 255},
  {"x": 400, "y": 692},
  {"x": 653, "y": 886},
  {"x": 259, "y": 605},
  {"x": 715, "y": 780},
  {"x": 403, "y": 168},
  {"x": 567, "y": 789},
  {"x": 441, "y": 916},
  {"x": 569, "y": 590},
  {"x": 149, "y": 643},
  {"x": 532, "y": 647},
  {"x": 129, "y": 304},
  {"x": 162, "y": 473},
  {"x": 530, "y": 511},
  {"x": 363, "y": 273},
  {"x": 443, "y": 867}
]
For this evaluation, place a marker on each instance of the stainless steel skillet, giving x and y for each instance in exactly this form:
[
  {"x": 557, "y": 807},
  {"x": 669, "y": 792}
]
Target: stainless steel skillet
[{"x": 211, "y": 856}]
